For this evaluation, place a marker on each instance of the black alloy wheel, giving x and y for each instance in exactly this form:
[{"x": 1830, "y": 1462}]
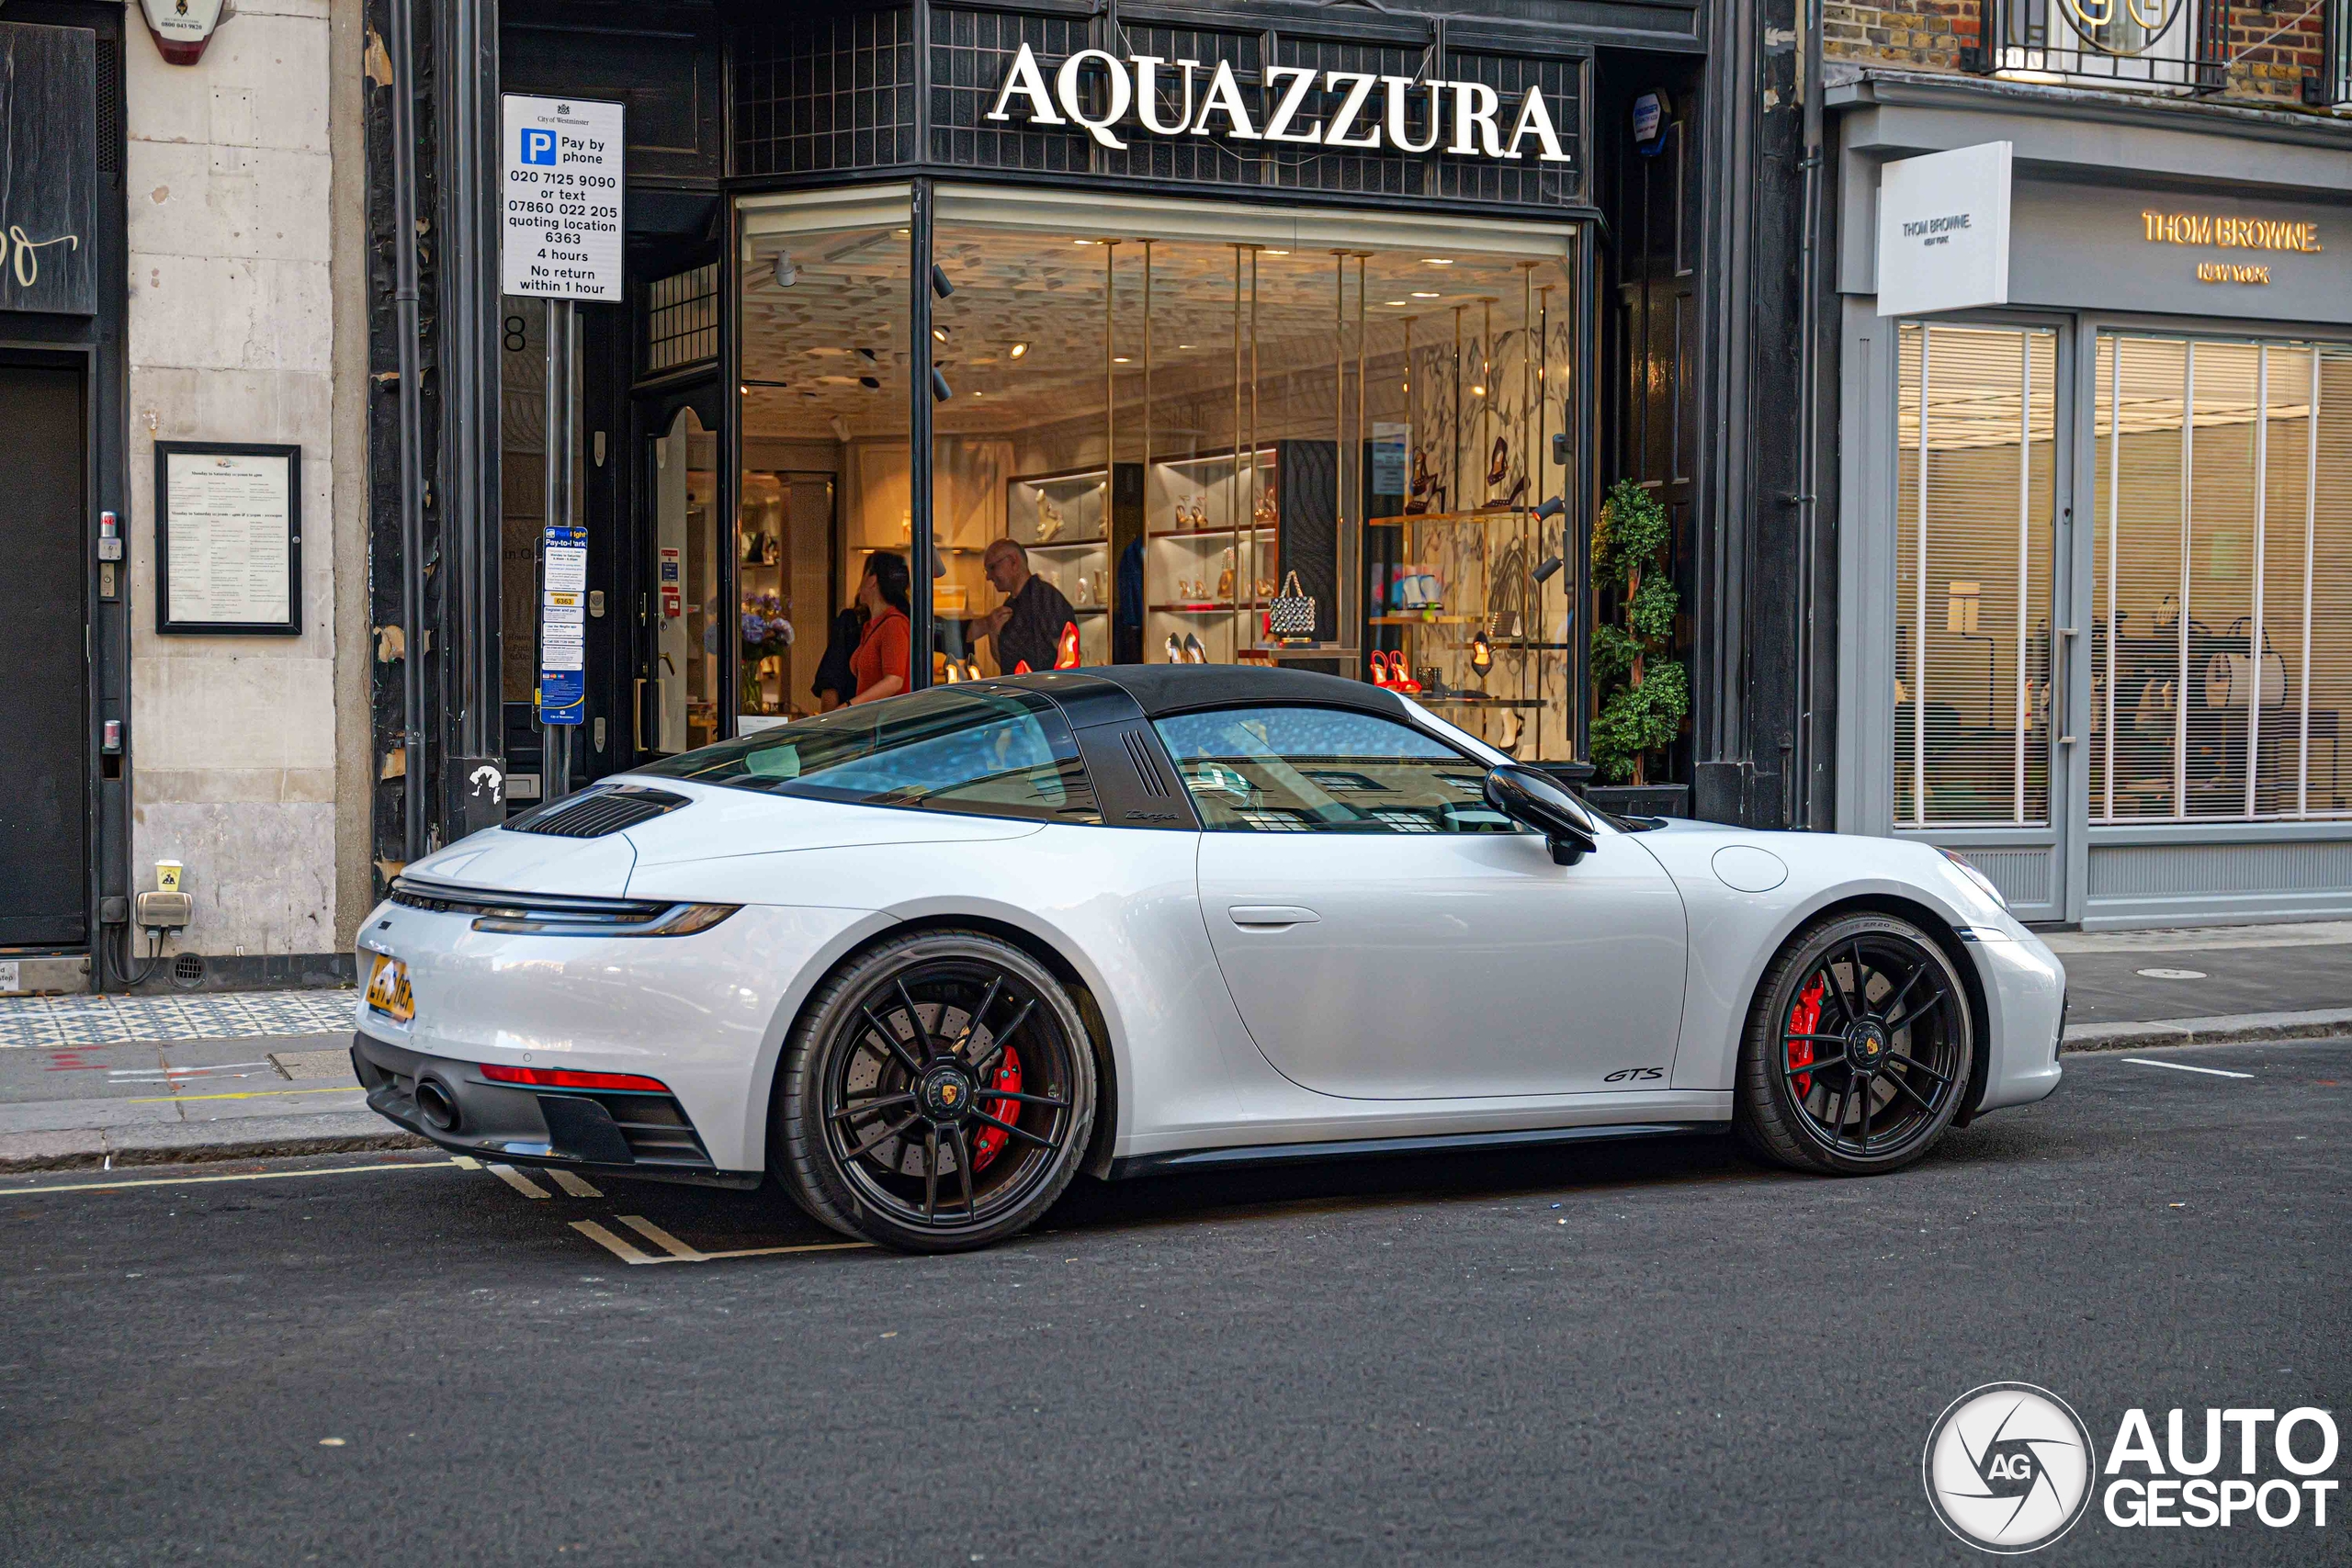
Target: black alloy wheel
[
  {"x": 937, "y": 1094},
  {"x": 1859, "y": 1049}
]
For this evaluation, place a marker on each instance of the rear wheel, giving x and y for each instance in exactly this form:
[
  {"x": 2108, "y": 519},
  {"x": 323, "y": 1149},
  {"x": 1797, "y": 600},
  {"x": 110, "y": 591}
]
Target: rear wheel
[
  {"x": 1859, "y": 1049},
  {"x": 936, "y": 1095}
]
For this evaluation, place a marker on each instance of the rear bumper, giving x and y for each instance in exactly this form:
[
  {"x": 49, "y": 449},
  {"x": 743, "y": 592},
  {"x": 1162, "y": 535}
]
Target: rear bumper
[{"x": 646, "y": 1136}]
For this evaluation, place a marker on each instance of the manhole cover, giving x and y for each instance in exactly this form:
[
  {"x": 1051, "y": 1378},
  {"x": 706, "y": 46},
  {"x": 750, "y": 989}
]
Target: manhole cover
[{"x": 2173, "y": 974}]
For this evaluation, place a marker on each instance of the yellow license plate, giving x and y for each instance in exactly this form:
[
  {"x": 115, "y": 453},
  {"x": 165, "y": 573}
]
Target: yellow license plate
[{"x": 387, "y": 991}]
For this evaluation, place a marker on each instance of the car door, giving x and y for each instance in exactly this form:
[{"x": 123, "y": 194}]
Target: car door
[{"x": 1387, "y": 935}]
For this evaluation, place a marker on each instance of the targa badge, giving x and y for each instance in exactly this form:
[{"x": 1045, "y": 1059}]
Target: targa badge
[{"x": 2009, "y": 1467}]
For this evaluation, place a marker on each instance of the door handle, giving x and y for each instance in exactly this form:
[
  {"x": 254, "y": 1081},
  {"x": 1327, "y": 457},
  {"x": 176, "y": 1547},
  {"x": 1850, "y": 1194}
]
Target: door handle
[
  {"x": 637, "y": 715},
  {"x": 1270, "y": 917}
]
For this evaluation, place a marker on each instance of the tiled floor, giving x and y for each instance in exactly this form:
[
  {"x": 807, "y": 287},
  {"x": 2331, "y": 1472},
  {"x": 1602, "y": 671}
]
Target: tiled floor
[{"x": 55, "y": 1021}]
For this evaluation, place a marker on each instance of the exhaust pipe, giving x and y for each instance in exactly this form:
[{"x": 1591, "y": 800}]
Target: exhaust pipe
[{"x": 434, "y": 1104}]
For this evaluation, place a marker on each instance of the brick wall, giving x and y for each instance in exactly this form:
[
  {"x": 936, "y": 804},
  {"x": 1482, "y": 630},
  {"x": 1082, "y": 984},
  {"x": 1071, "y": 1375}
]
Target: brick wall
[{"x": 2270, "y": 50}]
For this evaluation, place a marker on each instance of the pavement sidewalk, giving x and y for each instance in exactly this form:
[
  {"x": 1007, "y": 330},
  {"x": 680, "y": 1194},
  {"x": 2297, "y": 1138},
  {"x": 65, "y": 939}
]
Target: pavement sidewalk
[{"x": 103, "y": 1081}]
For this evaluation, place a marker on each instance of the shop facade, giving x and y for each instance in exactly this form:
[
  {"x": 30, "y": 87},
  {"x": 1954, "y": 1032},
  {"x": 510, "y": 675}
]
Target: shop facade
[
  {"x": 1201, "y": 312},
  {"x": 2094, "y": 624}
]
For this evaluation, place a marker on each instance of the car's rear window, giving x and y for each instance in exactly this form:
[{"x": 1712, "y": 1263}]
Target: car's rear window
[{"x": 990, "y": 751}]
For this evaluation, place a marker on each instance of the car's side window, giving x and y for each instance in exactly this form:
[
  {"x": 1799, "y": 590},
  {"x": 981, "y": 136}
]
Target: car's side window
[
  {"x": 983, "y": 750},
  {"x": 1310, "y": 769}
]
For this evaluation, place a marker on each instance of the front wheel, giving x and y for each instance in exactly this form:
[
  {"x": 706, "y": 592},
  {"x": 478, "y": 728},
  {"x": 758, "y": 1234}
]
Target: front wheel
[
  {"x": 1859, "y": 1049},
  {"x": 937, "y": 1094}
]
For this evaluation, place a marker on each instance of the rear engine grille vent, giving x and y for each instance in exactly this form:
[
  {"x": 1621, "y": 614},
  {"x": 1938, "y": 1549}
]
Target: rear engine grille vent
[{"x": 598, "y": 812}]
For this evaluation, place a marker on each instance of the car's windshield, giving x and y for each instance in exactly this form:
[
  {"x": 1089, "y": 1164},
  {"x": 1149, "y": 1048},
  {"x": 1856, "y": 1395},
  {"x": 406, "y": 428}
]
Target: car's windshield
[{"x": 993, "y": 751}]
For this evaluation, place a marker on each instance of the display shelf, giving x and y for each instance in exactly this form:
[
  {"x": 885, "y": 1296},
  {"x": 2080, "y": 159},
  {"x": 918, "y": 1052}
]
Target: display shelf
[
  {"x": 1437, "y": 620},
  {"x": 1095, "y": 543},
  {"x": 1199, "y": 607},
  {"x": 1482, "y": 515},
  {"x": 1469, "y": 700}
]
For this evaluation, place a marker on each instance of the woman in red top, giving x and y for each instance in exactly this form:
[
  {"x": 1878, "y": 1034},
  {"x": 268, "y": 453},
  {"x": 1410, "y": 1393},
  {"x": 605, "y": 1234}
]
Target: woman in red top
[{"x": 879, "y": 665}]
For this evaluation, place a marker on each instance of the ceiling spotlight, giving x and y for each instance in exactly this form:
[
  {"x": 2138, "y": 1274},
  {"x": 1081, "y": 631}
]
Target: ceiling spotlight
[
  {"x": 787, "y": 275},
  {"x": 869, "y": 383},
  {"x": 1426, "y": 294},
  {"x": 939, "y": 284},
  {"x": 1399, "y": 301},
  {"x": 938, "y": 334},
  {"x": 745, "y": 390},
  {"x": 1118, "y": 359},
  {"x": 871, "y": 357},
  {"x": 1551, "y": 509},
  {"x": 940, "y": 390},
  {"x": 1018, "y": 349},
  {"x": 841, "y": 428},
  {"x": 1476, "y": 391},
  {"x": 1550, "y": 569}
]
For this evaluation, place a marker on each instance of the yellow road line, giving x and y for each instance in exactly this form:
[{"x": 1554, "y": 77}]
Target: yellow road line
[
  {"x": 249, "y": 1175},
  {"x": 518, "y": 1181},
  {"x": 248, "y": 1094},
  {"x": 679, "y": 1252}
]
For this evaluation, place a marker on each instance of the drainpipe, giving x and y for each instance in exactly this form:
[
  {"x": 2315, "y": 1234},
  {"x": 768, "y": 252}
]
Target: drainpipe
[
  {"x": 405, "y": 313},
  {"x": 1809, "y": 412}
]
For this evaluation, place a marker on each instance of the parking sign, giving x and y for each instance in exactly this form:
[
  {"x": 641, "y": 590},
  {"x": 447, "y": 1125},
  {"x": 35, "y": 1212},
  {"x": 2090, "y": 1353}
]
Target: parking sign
[{"x": 561, "y": 236}]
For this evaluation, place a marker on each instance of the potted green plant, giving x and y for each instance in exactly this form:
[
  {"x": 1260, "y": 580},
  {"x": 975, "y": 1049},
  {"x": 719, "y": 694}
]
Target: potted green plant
[{"x": 1645, "y": 694}]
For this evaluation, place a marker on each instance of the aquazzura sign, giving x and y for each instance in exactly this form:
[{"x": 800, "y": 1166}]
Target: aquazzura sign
[{"x": 1099, "y": 91}]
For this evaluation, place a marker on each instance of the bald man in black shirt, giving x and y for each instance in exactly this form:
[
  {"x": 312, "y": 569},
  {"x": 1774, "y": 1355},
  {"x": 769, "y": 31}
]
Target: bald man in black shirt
[{"x": 1027, "y": 627}]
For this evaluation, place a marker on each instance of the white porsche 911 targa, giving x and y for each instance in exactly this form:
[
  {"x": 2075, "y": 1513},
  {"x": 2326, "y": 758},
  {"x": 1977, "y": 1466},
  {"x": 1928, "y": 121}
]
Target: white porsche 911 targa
[{"x": 925, "y": 961}]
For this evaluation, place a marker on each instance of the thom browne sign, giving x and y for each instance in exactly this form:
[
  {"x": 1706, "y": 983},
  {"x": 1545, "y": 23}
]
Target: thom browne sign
[
  {"x": 1943, "y": 232},
  {"x": 1358, "y": 111}
]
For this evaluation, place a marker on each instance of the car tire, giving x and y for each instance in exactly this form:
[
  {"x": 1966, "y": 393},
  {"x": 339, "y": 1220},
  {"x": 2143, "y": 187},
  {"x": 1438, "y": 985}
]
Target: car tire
[
  {"x": 1857, "y": 1050},
  {"x": 990, "y": 1127}
]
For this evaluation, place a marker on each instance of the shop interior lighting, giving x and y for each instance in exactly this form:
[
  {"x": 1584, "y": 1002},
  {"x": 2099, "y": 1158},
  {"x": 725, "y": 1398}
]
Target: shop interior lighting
[
  {"x": 1277, "y": 253},
  {"x": 1400, "y": 302},
  {"x": 1017, "y": 350},
  {"x": 1427, "y": 294},
  {"x": 1118, "y": 359},
  {"x": 938, "y": 333},
  {"x": 940, "y": 390},
  {"x": 869, "y": 383},
  {"x": 1438, "y": 261},
  {"x": 939, "y": 284},
  {"x": 787, "y": 275}
]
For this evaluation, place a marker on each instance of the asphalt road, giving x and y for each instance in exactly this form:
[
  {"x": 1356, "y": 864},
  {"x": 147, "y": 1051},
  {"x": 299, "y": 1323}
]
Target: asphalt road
[{"x": 1635, "y": 1353}]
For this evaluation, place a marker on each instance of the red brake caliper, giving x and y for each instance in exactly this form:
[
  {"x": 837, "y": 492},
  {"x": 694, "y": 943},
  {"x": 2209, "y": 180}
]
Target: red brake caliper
[
  {"x": 989, "y": 1140},
  {"x": 1804, "y": 1018}
]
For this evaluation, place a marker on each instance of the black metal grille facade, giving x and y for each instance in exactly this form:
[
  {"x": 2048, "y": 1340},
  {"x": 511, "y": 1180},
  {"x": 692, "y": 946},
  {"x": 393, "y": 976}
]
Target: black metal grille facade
[
  {"x": 839, "y": 94},
  {"x": 826, "y": 93}
]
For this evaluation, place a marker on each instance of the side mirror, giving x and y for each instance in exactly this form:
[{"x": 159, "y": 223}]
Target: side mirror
[{"x": 1533, "y": 800}]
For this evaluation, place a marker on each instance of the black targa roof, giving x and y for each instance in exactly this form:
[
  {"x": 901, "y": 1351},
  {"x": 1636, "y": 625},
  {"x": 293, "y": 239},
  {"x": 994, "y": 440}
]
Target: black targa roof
[{"x": 1162, "y": 689}]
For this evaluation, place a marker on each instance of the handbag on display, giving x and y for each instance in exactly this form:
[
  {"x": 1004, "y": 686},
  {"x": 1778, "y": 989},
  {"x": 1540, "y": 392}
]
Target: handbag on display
[
  {"x": 2231, "y": 678},
  {"x": 1292, "y": 614}
]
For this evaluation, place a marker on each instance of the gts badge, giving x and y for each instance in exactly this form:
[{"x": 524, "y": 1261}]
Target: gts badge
[{"x": 1634, "y": 1074}]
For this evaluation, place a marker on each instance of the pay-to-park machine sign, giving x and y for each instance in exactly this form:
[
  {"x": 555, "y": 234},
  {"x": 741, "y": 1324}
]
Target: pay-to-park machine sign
[{"x": 562, "y": 242}]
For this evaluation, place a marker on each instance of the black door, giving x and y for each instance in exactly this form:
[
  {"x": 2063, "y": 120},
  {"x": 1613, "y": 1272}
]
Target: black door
[{"x": 44, "y": 822}]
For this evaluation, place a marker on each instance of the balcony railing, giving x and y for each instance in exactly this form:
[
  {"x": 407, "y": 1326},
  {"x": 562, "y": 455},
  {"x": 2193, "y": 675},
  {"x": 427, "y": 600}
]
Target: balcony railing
[{"x": 2179, "y": 46}]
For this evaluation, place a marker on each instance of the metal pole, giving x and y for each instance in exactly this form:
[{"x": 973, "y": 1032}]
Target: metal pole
[
  {"x": 921, "y": 557},
  {"x": 557, "y": 511},
  {"x": 413, "y": 807}
]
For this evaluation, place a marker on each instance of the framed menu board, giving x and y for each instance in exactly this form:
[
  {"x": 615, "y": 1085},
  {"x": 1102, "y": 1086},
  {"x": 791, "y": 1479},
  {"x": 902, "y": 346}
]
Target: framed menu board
[{"x": 228, "y": 539}]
